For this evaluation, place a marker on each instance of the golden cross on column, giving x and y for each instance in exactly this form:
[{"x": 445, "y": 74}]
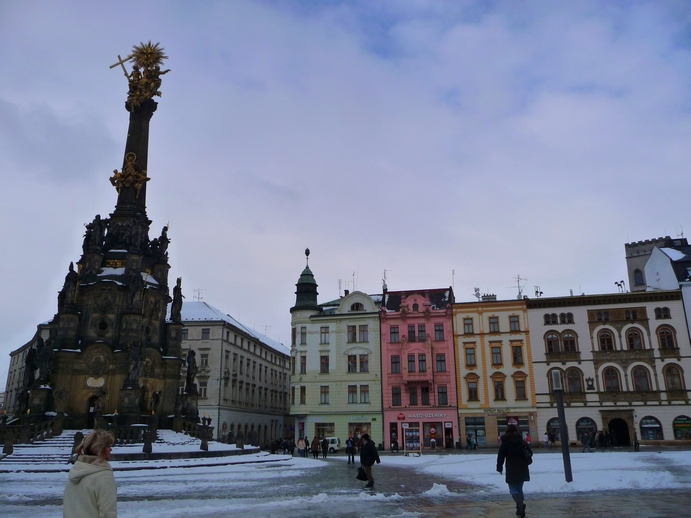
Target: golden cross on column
[{"x": 122, "y": 62}]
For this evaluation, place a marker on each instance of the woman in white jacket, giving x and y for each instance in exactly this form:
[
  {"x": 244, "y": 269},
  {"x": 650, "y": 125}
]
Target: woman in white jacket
[{"x": 91, "y": 490}]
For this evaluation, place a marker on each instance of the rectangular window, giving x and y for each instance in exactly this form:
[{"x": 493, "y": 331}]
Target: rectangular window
[
  {"x": 470, "y": 356},
  {"x": 468, "y": 326},
  {"x": 352, "y": 363},
  {"x": 324, "y": 395},
  {"x": 394, "y": 337},
  {"x": 293, "y": 335},
  {"x": 184, "y": 334},
  {"x": 352, "y": 334},
  {"x": 206, "y": 332},
  {"x": 395, "y": 365},
  {"x": 202, "y": 389},
  {"x": 513, "y": 323},
  {"x": 441, "y": 362},
  {"x": 496, "y": 355},
  {"x": 364, "y": 363},
  {"x": 472, "y": 391},
  {"x": 324, "y": 335},
  {"x": 411, "y": 363},
  {"x": 517, "y": 353},
  {"x": 364, "y": 393},
  {"x": 324, "y": 364},
  {"x": 292, "y": 395},
  {"x": 396, "y": 396},
  {"x": 520, "y": 389},
  {"x": 421, "y": 333},
  {"x": 303, "y": 335},
  {"x": 422, "y": 362},
  {"x": 303, "y": 395},
  {"x": 411, "y": 333},
  {"x": 442, "y": 398},
  {"x": 363, "y": 333},
  {"x": 242, "y": 363},
  {"x": 493, "y": 324},
  {"x": 438, "y": 331},
  {"x": 204, "y": 360},
  {"x": 303, "y": 364},
  {"x": 292, "y": 369},
  {"x": 424, "y": 392},
  {"x": 412, "y": 393},
  {"x": 352, "y": 393},
  {"x": 499, "y": 390}
]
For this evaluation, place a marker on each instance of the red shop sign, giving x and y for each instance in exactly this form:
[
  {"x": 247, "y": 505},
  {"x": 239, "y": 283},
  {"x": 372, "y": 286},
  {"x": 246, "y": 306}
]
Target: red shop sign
[{"x": 401, "y": 417}]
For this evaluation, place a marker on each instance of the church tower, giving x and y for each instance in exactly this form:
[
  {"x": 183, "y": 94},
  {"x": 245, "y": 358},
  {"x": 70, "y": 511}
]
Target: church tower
[
  {"x": 306, "y": 294},
  {"x": 113, "y": 357}
]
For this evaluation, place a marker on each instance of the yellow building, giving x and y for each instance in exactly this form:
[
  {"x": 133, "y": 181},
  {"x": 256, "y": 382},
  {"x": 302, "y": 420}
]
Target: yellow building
[{"x": 494, "y": 369}]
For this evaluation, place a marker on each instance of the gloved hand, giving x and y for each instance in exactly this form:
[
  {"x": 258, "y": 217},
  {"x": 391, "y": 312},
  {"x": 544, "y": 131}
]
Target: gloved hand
[
  {"x": 378, "y": 462},
  {"x": 499, "y": 470}
]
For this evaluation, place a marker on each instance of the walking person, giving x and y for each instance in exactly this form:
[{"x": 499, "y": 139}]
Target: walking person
[
  {"x": 585, "y": 440},
  {"x": 368, "y": 456},
  {"x": 91, "y": 490},
  {"x": 315, "y": 447},
  {"x": 301, "y": 447},
  {"x": 512, "y": 451},
  {"x": 350, "y": 450},
  {"x": 325, "y": 447},
  {"x": 546, "y": 439}
]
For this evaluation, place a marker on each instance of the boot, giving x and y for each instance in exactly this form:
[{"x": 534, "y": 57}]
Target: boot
[{"x": 520, "y": 506}]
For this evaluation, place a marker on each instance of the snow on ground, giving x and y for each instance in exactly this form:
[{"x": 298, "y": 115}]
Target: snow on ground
[{"x": 591, "y": 471}]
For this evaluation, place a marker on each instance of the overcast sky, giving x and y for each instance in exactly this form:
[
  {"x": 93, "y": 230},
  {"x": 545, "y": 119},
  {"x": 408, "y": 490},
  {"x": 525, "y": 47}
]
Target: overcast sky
[{"x": 487, "y": 138}]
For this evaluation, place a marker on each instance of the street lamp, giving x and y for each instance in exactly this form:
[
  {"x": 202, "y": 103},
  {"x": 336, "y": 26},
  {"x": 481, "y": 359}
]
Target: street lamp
[{"x": 558, "y": 390}]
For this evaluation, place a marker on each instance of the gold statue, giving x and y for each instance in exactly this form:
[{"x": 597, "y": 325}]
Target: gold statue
[
  {"x": 130, "y": 176},
  {"x": 145, "y": 78}
]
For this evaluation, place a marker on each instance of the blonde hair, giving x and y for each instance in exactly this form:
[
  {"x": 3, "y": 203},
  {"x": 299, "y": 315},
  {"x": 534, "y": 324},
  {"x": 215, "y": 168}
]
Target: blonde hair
[{"x": 95, "y": 443}]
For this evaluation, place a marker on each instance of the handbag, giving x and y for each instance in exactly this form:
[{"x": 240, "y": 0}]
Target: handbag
[
  {"x": 527, "y": 455},
  {"x": 361, "y": 475}
]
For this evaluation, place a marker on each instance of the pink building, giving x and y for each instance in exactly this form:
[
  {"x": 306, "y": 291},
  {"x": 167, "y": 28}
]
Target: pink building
[{"x": 418, "y": 369}]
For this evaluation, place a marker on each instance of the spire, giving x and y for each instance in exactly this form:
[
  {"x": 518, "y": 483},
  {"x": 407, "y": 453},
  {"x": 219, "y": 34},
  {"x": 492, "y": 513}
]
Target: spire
[{"x": 306, "y": 294}]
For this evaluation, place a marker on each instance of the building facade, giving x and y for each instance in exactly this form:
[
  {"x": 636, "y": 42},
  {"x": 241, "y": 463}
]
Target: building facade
[
  {"x": 637, "y": 255},
  {"x": 242, "y": 378},
  {"x": 336, "y": 376},
  {"x": 418, "y": 369},
  {"x": 496, "y": 384},
  {"x": 17, "y": 381},
  {"x": 624, "y": 360}
]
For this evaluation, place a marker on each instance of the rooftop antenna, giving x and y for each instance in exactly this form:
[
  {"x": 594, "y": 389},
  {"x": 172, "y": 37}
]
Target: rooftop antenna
[
  {"x": 681, "y": 233},
  {"x": 518, "y": 286},
  {"x": 477, "y": 294},
  {"x": 266, "y": 330},
  {"x": 538, "y": 292},
  {"x": 383, "y": 281},
  {"x": 197, "y": 294},
  {"x": 354, "y": 281},
  {"x": 453, "y": 279},
  {"x": 340, "y": 291}
]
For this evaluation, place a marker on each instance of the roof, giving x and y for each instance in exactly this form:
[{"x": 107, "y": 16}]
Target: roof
[
  {"x": 440, "y": 298},
  {"x": 203, "y": 312},
  {"x": 680, "y": 257}
]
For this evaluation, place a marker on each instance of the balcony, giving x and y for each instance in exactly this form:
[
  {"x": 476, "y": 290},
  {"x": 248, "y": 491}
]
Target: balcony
[
  {"x": 623, "y": 357},
  {"x": 677, "y": 395},
  {"x": 569, "y": 398},
  {"x": 418, "y": 377},
  {"x": 670, "y": 353},
  {"x": 630, "y": 397},
  {"x": 563, "y": 357}
]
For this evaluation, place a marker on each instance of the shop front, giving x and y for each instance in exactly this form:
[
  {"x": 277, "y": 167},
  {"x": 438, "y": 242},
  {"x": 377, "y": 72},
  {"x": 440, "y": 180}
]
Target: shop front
[
  {"x": 415, "y": 431},
  {"x": 485, "y": 429}
]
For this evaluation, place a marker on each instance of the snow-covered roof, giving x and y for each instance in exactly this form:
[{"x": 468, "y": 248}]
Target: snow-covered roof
[
  {"x": 674, "y": 255},
  {"x": 201, "y": 311}
]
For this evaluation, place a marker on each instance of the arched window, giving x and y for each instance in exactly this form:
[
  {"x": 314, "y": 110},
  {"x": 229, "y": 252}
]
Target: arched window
[
  {"x": 633, "y": 338},
  {"x": 552, "y": 343},
  {"x": 568, "y": 340},
  {"x": 665, "y": 313},
  {"x": 569, "y": 318},
  {"x": 547, "y": 319},
  {"x": 611, "y": 380},
  {"x": 553, "y": 318},
  {"x": 641, "y": 382},
  {"x": 357, "y": 306},
  {"x": 574, "y": 381},
  {"x": 651, "y": 429},
  {"x": 658, "y": 313},
  {"x": 673, "y": 379},
  {"x": 666, "y": 338},
  {"x": 562, "y": 318},
  {"x": 553, "y": 429},
  {"x": 416, "y": 307},
  {"x": 638, "y": 277},
  {"x": 606, "y": 341},
  {"x": 549, "y": 378}
]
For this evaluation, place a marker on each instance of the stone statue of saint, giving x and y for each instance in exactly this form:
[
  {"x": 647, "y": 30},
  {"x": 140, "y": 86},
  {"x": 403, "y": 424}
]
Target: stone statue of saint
[
  {"x": 190, "y": 385},
  {"x": 155, "y": 401},
  {"x": 66, "y": 295},
  {"x": 136, "y": 286},
  {"x": 163, "y": 242},
  {"x": 45, "y": 355},
  {"x": 137, "y": 232},
  {"x": 136, "y": 365},
  {"x": 100, "y": 403},
  {"x": 30, "y": 365},
  {"x": 176, "y": 307}
]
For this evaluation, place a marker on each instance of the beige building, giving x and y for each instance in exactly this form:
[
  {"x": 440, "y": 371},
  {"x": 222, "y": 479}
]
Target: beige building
[
  {"x": 15, "y": 374},
  {"x": 494, "y": 369},
  {"x": 243, "y": 376}
]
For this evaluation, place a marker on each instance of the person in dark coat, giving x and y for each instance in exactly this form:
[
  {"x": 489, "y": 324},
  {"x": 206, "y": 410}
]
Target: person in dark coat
[
  {"x": 315, "y": 447},
  {"x": 368, "y": 456},
  {"x": 517, "y": 472},
  {"x": 325, "y": 447},
  {"x": 350, "y": 449}
]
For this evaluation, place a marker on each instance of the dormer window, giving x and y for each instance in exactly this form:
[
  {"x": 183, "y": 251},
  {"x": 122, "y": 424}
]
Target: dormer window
[
  {"x": 357, "y": 306},
  {"x": 416, "y": 307}
]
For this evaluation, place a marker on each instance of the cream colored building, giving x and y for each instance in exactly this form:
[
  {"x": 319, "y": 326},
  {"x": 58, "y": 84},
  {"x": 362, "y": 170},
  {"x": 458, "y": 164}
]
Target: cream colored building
[
  {"x": 624, "y": 360},
  {"x": 243, "y": 376},
  {"x": 336, "y": 377},
  {"x": 494, "y": 369}
]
